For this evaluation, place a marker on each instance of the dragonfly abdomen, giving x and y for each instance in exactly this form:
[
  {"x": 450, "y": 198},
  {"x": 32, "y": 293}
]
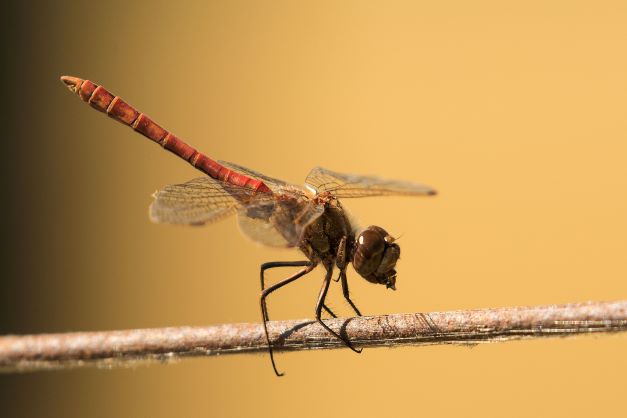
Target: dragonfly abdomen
[{"x": 101, "y": 99}]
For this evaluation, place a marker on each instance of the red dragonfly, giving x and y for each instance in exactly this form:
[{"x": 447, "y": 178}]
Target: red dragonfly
[{"x": 271, "y": 211}]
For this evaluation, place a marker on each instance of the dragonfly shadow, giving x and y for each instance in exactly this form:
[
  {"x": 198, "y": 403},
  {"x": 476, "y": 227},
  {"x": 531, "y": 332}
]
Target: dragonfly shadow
[
  {"x": 343, "y": 332},
  {"x": 286, "y": 334}
]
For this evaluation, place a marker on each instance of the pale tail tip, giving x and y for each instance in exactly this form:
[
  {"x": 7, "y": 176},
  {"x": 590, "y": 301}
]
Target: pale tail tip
[{"x": 71, "y": 83}]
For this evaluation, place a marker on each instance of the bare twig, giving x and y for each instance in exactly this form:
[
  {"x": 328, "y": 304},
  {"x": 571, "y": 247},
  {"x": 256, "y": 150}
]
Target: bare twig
[{"x": 124, "y": 348}]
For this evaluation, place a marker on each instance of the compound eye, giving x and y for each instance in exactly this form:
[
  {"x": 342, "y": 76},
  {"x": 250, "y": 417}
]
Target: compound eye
[
  {"x": 369, "y": 251},
  {"x": 371, "y": 243}
]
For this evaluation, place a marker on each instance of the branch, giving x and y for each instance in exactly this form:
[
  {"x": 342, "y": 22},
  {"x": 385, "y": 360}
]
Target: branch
[{"x": 127, "y": 348}]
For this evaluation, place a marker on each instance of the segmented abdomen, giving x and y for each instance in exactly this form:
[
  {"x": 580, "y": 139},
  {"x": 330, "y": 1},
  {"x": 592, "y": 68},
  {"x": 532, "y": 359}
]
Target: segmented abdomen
[{"x": 101, "y": 99}]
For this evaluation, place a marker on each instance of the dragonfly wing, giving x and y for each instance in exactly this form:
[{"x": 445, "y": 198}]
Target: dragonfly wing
[
  {"x": 278, "y": 223},
  {"x": 276, "y": 185},
  {"x": 308, "y": 216},
  {"x": 340, "y": 185},
  {"x": 198, "y": 201},
  {"x": 261, "y": 230}
]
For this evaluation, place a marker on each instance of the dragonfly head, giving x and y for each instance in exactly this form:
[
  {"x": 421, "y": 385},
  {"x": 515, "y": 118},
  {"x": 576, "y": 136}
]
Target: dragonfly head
[{"x": 376, "y": 255}]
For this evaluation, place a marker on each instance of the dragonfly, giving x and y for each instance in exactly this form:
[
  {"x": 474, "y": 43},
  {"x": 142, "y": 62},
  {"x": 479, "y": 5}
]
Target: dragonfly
[{"x": 271, "y": 211}]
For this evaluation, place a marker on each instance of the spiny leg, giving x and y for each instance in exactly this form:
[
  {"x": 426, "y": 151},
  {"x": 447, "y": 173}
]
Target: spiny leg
[
  {"x": 340, "y": 260},
  {"x": 346, "y": 293},
  {"x": 264, "y": 308},
  {"x": 320, "y": 304},
  {"x": 329, "y": 311},
  {"x": 275, "y": 264}
]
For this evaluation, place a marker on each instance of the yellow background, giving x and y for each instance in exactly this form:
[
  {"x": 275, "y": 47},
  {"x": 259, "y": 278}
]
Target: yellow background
[{"x": 515, "y": 113}]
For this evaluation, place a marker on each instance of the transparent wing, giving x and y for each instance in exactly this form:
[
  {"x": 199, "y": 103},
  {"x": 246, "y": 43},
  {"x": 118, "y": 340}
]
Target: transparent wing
[
  {"x": 341, "y": 185},
  {"x": 276, "y": 185},
  {"x": 261, "y": 230},
  {"x": 278, "y": 223},
  {"x": 199, "y": 201}
]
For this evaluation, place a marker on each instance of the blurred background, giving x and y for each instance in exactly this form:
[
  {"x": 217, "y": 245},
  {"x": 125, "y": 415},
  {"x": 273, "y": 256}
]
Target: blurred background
[{"x": 515, "y": 113}]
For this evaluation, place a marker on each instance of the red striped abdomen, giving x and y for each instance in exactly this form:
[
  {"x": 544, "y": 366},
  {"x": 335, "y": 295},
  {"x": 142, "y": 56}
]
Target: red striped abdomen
[{"x": 99, "y": 98}]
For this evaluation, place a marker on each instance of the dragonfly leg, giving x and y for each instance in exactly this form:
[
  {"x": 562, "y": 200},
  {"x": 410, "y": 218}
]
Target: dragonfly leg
[
  {"x": 341, "y": 264},
  {"x": 320, "y": 304},
  {"x": 345, "y": 291},
  {"x": 264, "y": 308},
  {"x": 329, "y": 311},
  {"x": 275, "y": 264},
  {"x": 340, "y": 260}
]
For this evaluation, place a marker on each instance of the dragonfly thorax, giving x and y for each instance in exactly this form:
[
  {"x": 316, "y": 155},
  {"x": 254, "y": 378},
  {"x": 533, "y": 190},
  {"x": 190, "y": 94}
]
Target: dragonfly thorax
[
  {"x": 375, "y": 256},
  {"x": 321, "y": 239}
]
